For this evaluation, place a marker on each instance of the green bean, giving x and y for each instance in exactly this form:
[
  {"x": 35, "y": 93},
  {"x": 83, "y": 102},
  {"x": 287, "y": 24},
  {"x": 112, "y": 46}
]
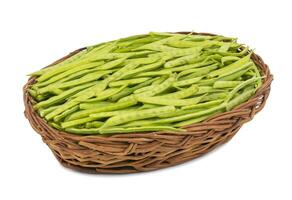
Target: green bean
[
  {"x": 104, "y": 94},
  {"x": 113, "y": 113},
  {"x": 121, "y": 94},
  {"x": 141, "y": 41},
  {"x": 259, "y": 82},
  {"x": 214, "y": 96},
  {"x": 224, "y": 39},
  {"x": 46, "y": 111},
  {"x": 71, "y": 121},
  {"x": 239, "y": 99},
  {"x": 240, "y": 86},
  {"x": 83, "y": 62},
  {"x": 168, "y": 101},
  {"x": 134, "y": 81},
  {"x": 42, "y": 97},
  {"x": 89, "y": 92},
  {"x": 191, "y": 115},
  {"x": 215, "y": 58},
  {"x": 246, "y": 88},
  {"x": 131, "y": 38},
  {"x": 128, "y": 91},
  {"x": 164, "y": 34},
  {"x": 32, "y": 92},
  {"x": 75, "y": 122},
  {"x": 144, "y": 89},
  {"x": 120, "y": 73},
  {"x": 56, "y": 91},
  {"x": 83, "y": 59},
  {"x": 226, "y": 59},
  {"x": 132, "y": 116},
  {"x": 107, "y": 94},
  {"x": 62, "y": 96},
  {"x": 210, "y": 43},
  {"x": 116, "y": 106},
  {"x": 94, "y": 124},
  {"x": 142, "y": 61},
  {"x": 224, "y": 47},
  {"x": 195, "y": 120},
  {"x": 159, "y": 88},
  {"x": 58, "y": 118},
  {"x": 206, "y": 82},
  {"x": 203, "y": 105},
  {"x": 177, "y": 112},
  {"x": 62, "y": 63},
  {"x": 55, "y": 125},
  {"x": 193, "y": 89},
  {"x": 241, "y": 53},
  {"x": 181, "y": 44},
  {"x": 234, "y": 76},
  {"x": 77, "y": 75},
  {"x": 112, "y": 64},
  {"x": 233, "y": 71},
  {"x": 103, "y": 49},
  {"x": 155, "y": 90},
  {"x": 199, "y": 37},
  {"x": 230, "y": 67},
  {"x": 69, "y": 72},
  {"x": 160, "y": 79},
  {"x": 201, "y": 63},
  {"x": 160, "y": 42},
  {"x": 187, "y": 82},
  {"x": 143, "y": 69},
  {"x": 205, "y": 89},
  {"x": 249, "y": 73},
  {"x": 120, "y": 56},
  {"x": 147, "y": 106},
  {"x": 226, "y": 84},
  {"x": 176, "y": 53},
  {"x": 86, "y": 94},
  {"x": 91, "y": 105},
  {"x": 85, "y": 79},
  {"x": 158, "y": 47},
  {"x": 197, "y": 71},
  {"x": 182, "y": 60},
  {"x": 157, "y": 73}
]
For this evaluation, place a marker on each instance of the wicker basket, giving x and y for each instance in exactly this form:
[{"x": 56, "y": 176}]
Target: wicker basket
[{"x": 138, "y": 152}]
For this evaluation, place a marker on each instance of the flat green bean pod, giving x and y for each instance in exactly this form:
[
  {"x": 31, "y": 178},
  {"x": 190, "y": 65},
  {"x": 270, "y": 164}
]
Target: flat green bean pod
[
  {"x": 128, "y": 82},
  {"x": 187, "y": 82},
  {"x": 168, "y": 101},
  {"x": 132, "y": 116},
  {"x": 111, "y": 107},
  {"x": 69, "y": 72},
  {"x": 182, "y": 60},
  {"x": 193, "y": 89}
]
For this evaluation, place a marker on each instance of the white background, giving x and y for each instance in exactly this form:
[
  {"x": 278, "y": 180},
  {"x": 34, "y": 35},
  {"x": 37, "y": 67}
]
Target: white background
[{"x": 255, "y": 164}]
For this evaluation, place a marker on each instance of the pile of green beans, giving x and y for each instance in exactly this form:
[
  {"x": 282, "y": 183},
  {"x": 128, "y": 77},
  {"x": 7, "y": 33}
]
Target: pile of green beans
[{"x": 143, "y": 83}]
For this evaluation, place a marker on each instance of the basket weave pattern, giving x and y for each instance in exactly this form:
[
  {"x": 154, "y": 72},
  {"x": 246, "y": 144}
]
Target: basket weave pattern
[{"x": 137, "y": 152}]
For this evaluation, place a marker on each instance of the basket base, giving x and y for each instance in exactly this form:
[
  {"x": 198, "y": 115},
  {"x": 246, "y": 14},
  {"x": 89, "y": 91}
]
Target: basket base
[{"x": 128, "y": 170}]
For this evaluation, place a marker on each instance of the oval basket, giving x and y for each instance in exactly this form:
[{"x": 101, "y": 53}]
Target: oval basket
[{"x": 139, "y": 152}]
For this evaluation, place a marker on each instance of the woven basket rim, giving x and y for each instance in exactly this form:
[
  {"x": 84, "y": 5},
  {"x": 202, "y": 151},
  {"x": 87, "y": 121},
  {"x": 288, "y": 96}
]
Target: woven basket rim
[{"x": 264, "y": 70}]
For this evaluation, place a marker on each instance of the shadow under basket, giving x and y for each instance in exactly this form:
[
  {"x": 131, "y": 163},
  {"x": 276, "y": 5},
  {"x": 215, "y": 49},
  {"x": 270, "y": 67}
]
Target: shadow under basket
[{"x": 139, "y": 152}]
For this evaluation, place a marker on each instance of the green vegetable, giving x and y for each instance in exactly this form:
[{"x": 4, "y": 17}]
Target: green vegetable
[{"x": 145, "y": 83}]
